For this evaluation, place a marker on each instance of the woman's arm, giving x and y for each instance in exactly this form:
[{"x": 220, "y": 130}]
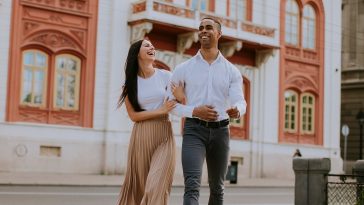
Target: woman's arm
[{"x": 146, "y": 115}]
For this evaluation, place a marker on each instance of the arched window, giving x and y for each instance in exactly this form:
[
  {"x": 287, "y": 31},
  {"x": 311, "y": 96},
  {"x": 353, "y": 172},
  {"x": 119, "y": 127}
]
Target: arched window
[
  {"x": 291, "y": 26},
  {"x": 308, "y": 27},
  {"x": 307, "y": 113},
  {"x": 290, "y": 112},
  {"x": 51, "y": 86},
  {"x": 239, "y": 128},
  {"x": 34, "y": 78},
  {"x": 32, "y": 71},
  {"x": 67, "y": 82}
]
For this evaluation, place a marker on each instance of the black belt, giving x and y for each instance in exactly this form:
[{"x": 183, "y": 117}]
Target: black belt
[{"x": 210, "y": 124}]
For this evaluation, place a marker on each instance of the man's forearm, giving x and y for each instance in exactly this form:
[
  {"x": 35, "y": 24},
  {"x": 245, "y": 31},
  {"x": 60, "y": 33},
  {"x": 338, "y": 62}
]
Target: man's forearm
[{"x": 183, "y": 110}]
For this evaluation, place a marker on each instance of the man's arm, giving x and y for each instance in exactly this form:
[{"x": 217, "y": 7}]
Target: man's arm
[
  {"x": 180, "y": 109},
  {"x": 203, "y": 112},
  {"x": 236, "y": 95}
]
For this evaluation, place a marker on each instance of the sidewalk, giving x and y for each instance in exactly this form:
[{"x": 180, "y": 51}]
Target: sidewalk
[{"x": 7, "y": 178}]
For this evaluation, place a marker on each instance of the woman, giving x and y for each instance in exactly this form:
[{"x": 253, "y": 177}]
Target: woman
[{"x": 151, "y": 156}]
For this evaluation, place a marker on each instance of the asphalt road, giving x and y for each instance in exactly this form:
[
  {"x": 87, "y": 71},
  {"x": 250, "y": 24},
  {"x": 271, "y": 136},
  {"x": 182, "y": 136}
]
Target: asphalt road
[{"x": 94, "y": 195}]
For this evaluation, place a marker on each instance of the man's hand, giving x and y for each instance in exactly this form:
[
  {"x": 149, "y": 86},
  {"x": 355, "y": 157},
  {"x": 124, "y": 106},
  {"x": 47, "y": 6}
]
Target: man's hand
[
  {"x": 233, "y": 112},
  {"x": 205, "y": 112}
]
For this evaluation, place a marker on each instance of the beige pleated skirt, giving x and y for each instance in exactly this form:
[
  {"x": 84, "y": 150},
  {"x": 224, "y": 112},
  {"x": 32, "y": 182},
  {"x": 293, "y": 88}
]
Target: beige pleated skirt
[{"x": 151, "y": 162}]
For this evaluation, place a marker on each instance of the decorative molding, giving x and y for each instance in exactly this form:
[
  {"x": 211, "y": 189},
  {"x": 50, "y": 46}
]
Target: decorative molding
[
  {"x": 21, "y": 149},
  {"x": 138, "y": 31},
  {"x": 73, "y": 5},
  {"x": 139, "y": 7},
  {"x": 80, "y": 36},
  {"x": 227, "y": 22},
  {"x": 78, "y": 5},
  {"x": 166, "y": 57},
  {"x": 28, "y": 27},
  {"x": 44, "y": 2},
  {"x": 310, "y": 55},
  {"x": 54, "y": 40},
  {"x": 292, "y": 51},
  {"x": 256, "y": 29},
  {"x": 54, "y": 18},
  {"x": 173, "y": 9},
  {"x": 64, "y": 118},
  {"x": 32, "y": 116},
  {"x": 302, "y": 83},
  {"x": 263, "y": 56},
  {"x": 184, "y": 41},
  {"x": 228, "y": 49},
  {"x": 246, "y": 71}
]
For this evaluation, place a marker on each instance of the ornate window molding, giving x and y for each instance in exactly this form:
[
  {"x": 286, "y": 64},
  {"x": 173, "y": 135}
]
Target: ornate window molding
[{"x": 52, "y": 29}]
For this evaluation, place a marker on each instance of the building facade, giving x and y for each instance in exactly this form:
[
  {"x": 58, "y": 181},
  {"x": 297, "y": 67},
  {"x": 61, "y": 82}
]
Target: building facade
[
  {"x": 352, "y": 83},
  {"x": 62, "y": 70}
]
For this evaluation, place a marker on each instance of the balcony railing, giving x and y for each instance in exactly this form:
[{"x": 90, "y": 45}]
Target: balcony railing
[{"x": 233, "y": 26}]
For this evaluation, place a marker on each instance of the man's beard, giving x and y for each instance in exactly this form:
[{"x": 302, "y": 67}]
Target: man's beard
[{"x": 206, "y": 44}]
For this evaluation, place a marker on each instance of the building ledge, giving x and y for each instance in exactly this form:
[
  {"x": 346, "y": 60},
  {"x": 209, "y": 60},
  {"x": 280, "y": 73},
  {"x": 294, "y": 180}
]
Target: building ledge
[{"x": 174, "y": 15}]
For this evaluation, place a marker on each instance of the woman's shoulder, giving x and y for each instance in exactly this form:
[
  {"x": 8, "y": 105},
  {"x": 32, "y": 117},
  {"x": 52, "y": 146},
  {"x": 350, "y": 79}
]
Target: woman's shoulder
[{"x": 164, "y": 73}]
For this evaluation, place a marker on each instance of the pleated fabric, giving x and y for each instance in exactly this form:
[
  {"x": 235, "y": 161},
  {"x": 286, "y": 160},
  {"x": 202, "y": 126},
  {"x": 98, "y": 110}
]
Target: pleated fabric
[{"x": 151, "y": 162}]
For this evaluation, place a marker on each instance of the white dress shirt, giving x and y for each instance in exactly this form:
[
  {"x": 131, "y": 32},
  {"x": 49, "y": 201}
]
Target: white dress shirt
[{"x": 219, "y": 85}]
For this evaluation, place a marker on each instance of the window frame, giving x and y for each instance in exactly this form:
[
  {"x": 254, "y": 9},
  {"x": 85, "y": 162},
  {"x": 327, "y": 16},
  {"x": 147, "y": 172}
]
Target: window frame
[
  {"x": 33, "y": 67},
  {"x": 307, "y": 106},
  {"x": 199, "y": 2},
  {"x": 306, "y": 31},
  {"x": 290, "y": 15},
  {"x": 296, "y": 106},
  {"x": 77, "y": 83},
  {"x": 245, "y": 6}
]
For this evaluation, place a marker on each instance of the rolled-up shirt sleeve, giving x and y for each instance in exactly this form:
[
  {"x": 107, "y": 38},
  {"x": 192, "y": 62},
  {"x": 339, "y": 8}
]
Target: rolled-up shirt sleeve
[
  {"x": 236, "y": 95},
  {"x": 180, "y": 109}
]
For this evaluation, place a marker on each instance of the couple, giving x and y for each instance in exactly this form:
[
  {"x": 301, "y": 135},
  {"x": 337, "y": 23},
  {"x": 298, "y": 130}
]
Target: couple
[{"x": 211, "y": 92}]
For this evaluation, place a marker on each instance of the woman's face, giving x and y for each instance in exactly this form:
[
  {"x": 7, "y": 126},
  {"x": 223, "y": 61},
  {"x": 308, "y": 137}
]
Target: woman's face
[{"x": 147, "y": 51}]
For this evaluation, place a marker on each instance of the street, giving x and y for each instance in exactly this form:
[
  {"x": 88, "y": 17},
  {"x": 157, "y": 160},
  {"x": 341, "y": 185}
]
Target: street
[{"x": 101, "y": 195}]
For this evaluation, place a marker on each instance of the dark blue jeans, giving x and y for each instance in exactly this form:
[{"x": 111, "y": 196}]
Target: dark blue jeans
[{"x": 199, "y": 143}]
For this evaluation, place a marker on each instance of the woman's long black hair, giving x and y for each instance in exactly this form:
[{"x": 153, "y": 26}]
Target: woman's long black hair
[{"x": 130, "y": 87}]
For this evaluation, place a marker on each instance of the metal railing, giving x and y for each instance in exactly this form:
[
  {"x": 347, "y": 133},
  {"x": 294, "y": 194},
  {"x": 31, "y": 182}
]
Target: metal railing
[{"x": 345, "y": 189}]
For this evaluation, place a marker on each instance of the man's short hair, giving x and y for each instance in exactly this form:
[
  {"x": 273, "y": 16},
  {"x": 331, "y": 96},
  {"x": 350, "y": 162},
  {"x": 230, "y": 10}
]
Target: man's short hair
[{"x": 216, "y": 20}]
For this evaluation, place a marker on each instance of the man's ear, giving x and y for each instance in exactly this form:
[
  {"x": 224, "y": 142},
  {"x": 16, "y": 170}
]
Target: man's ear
[{"x": 219, "y": 34}]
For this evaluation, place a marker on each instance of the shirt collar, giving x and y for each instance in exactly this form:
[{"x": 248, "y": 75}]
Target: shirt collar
[{"x": 200, "y": 57}]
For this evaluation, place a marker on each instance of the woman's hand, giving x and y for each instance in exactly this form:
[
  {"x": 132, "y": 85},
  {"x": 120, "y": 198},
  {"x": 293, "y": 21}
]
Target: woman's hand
[
  {"x": 168, "y": 106},
  {"x": 178, "y": 92}
]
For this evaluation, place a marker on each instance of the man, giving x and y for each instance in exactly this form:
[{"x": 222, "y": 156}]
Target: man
[{"x": 213, "y": 89}]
